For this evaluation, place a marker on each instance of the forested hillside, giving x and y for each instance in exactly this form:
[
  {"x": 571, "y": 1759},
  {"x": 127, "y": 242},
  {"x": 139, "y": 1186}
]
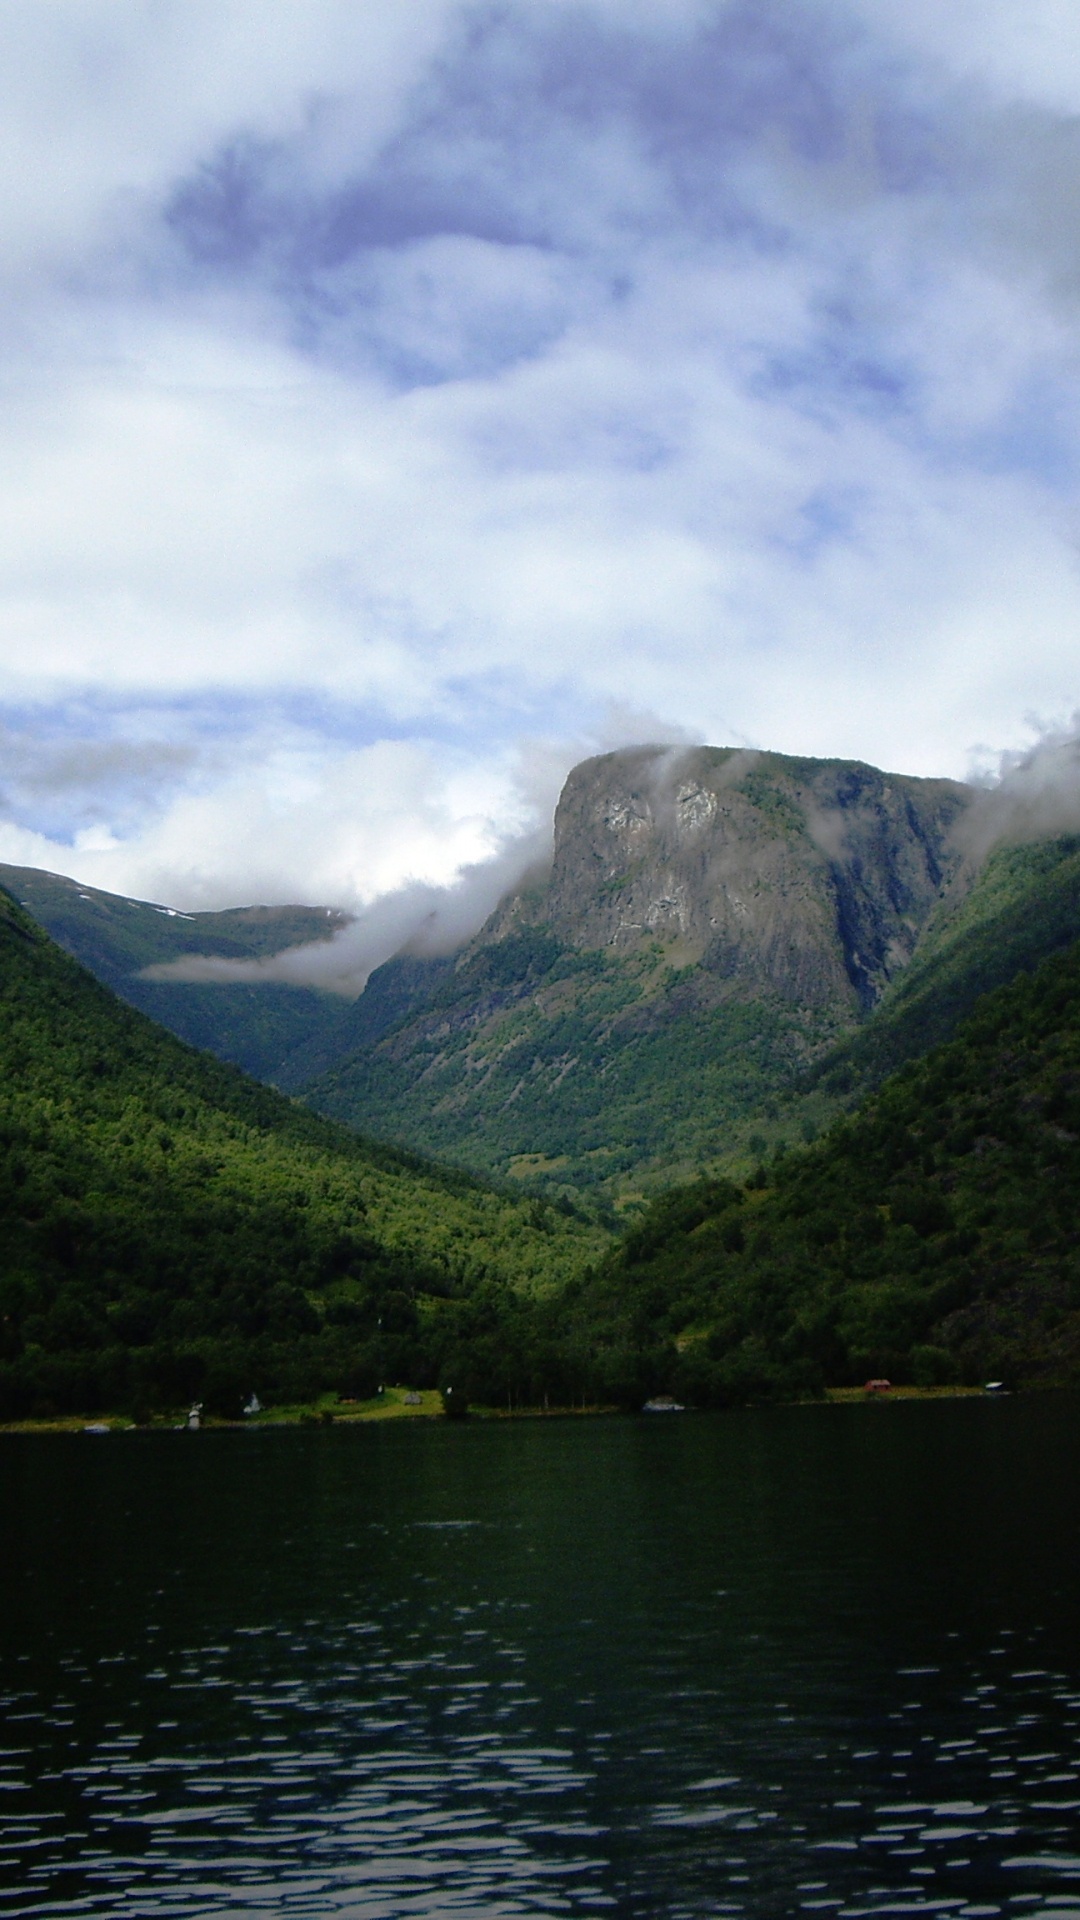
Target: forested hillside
[
  {"x": 171, "y": 1228},
  {"x": 933, "y": 1236},
  {"x": 999, "y": 919},
  {"x": 574, "y": 1070},
  {"x": 255, "y": 1025}
]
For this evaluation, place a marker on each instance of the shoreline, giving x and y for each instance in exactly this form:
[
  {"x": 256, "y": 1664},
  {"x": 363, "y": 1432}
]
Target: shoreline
[{"x": 391, "y": 1406}]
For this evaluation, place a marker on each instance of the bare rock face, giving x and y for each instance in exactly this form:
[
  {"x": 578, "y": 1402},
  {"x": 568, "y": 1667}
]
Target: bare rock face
[
  {"x": 809, "y": 878},
  {"x": 712, "y": 923}
]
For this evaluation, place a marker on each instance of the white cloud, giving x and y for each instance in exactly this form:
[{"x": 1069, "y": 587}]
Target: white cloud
[
  {"x": 107, "y": 101},
  {"x": 1029, "y": 53},
  {"x": 731, "y": 375},
  {"x": 310, "y": 826}
]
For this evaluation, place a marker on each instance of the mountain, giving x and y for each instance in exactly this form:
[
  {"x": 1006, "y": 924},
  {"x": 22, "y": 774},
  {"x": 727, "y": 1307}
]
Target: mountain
[
  {"x": 714, "y": 921},
  {"x": 729, "y": 950},
  {"x": 255, "y": 1026},
  {"x": 171, "y": 1228},
  {"x": 994, "y": 920},
  {"x": 932, "y": 1236}
]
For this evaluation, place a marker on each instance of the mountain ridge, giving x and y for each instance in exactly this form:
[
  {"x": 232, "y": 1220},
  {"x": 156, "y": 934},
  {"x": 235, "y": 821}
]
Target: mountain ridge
[
  {"x": 695, "y": 847},
  {"x": 714, "y": 921},
  {"x": 118, "y": 938},
  {"x": 173, "y": 1229},
  {"x": 729, "y": 948}
]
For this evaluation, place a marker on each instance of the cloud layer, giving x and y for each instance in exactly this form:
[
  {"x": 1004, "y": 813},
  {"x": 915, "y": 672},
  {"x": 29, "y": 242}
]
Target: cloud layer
[{"x": 400, "y": 401}]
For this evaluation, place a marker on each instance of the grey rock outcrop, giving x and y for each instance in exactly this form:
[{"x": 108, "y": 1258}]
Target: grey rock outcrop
[
  {"x": 812, "y": 878},
  {"x": 712, "y": 924}
]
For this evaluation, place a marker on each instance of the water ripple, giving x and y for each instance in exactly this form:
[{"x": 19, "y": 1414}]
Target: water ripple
[{"x": 591, "y": 1670}]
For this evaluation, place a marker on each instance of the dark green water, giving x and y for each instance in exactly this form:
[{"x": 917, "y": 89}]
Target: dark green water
[{"x": 820, "y": 1660}]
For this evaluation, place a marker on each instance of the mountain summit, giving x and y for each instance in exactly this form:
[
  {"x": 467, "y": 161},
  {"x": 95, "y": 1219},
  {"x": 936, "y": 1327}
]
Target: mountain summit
[
  {"x": 713, "y": 921},
  {"x": 727, "y": 947},
  {"x": 808, "y": 878}
]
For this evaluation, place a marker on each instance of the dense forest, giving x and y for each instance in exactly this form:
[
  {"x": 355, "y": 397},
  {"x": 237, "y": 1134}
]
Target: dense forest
[
  {"x": 932, "y": 1237},
  {"x": 171, "y": 1229}
]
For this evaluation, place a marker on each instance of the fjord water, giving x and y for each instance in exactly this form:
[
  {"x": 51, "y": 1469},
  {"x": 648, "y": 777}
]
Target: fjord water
[{"x": 804, "y": 1660}]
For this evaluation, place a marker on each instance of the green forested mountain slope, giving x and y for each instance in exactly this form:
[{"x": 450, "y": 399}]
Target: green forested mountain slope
[
  {"x": 114, "y": 935},
  {"x": 574, "y": 1069},
  {"x": 997, "y": 919},
  {"x": 713, "y": 923},
  {"x": 1004, "y": 918},
  {"x": 934, "y": 1235},
  {"x": 401, "y": 987},
  {"x": 168, "y": 1227},
  {"x": 256, "y": 1026}
]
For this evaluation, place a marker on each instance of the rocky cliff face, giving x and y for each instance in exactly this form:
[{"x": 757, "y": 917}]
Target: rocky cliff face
[
  {"x": 812, "y": 878},
  {"x": 713, "y": 921}
]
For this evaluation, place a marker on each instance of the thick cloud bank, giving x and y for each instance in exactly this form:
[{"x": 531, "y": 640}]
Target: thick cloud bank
[{"x": 390, "y": 388}]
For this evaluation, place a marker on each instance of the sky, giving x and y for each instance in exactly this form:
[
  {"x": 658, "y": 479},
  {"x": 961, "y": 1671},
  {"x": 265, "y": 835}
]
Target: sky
[{"x": 399, "y": 403}]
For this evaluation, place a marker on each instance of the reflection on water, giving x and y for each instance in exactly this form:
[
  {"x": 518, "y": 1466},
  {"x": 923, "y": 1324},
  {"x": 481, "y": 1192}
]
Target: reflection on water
[{"x": 816, "y": 1660}]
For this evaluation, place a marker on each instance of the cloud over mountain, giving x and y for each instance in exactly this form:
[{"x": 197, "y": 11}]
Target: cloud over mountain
[{"x": 390, "y": 389}]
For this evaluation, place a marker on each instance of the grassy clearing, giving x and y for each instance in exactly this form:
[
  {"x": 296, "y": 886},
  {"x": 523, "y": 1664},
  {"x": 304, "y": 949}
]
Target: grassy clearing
[{"x": 393, "y": 1403}]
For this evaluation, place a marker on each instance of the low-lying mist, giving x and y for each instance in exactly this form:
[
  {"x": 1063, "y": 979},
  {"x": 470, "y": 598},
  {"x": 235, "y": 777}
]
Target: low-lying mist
[
  {"x": 1033, "y": 795},
  {"x": 417, "y": 918}
]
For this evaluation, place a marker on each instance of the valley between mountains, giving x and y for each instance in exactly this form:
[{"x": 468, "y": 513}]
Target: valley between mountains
[{"x": 768, "y": 1083}]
